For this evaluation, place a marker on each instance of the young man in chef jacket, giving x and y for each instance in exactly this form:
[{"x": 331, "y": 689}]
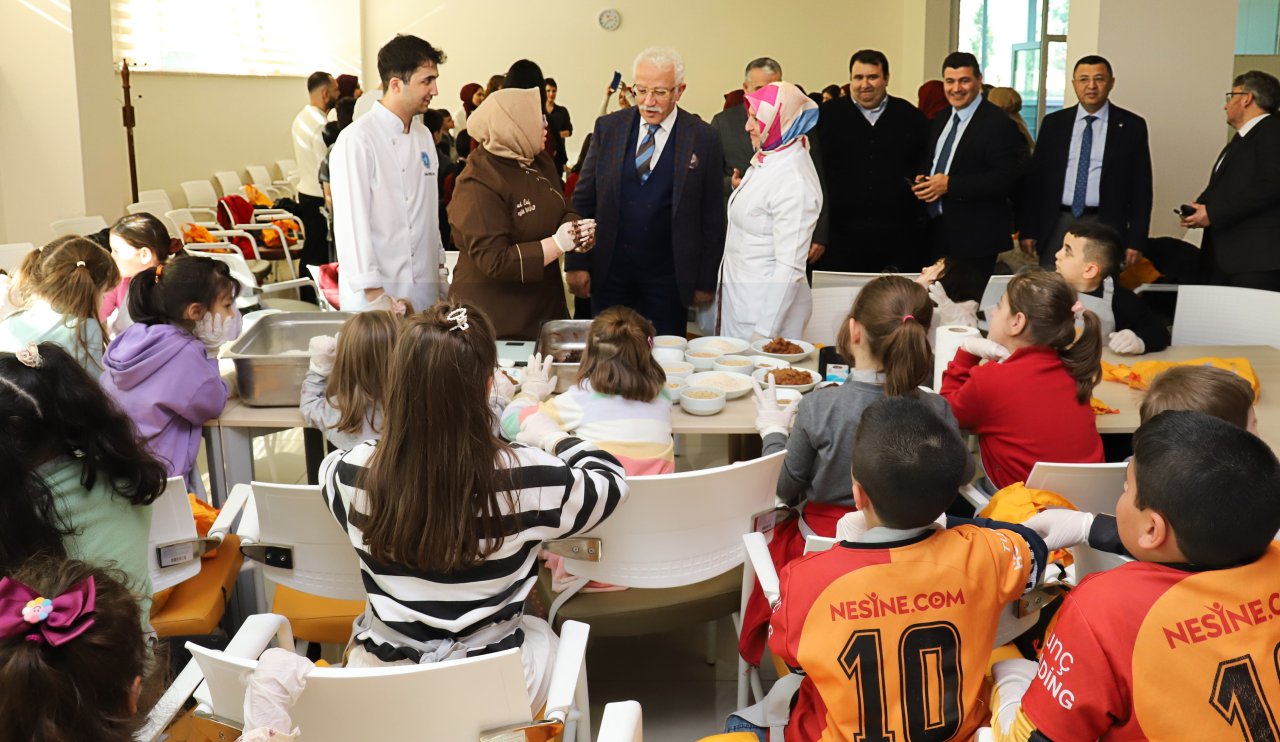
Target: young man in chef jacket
[{"x": 383, "y": 172}]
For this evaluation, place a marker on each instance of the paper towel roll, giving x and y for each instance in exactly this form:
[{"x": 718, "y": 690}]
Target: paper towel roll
[{"x": 949, "y": 339}]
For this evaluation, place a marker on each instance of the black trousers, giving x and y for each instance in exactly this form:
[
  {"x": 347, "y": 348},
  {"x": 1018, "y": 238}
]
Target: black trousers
[
  {"x": 315, "y": 251},
  {"x": 652, "y": 293},
  {"x": 1264, "y": 280}
]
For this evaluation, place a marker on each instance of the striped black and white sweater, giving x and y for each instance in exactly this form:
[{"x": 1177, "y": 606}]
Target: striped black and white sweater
[{"x": 425, "y": 617}]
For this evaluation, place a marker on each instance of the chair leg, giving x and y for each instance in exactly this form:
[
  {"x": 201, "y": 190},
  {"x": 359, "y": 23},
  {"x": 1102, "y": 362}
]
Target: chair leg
[
  {"x": 313, "y": 651},
  {"x": 710, "y": 649},
  {"x": 743, "y": 670},
  {"x": 582, "y": 702}
]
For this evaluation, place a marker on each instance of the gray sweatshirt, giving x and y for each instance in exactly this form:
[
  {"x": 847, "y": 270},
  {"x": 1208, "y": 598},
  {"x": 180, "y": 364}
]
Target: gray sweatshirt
[{"x": 318, "y": 413}]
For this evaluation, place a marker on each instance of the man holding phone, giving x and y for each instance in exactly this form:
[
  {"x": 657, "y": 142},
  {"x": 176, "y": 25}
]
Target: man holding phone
[{"x": 1240, "y": 208}]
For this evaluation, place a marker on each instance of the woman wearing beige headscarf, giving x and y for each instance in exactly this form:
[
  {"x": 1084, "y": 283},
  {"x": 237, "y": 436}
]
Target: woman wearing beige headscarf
[{"x": 510, "y": 222}]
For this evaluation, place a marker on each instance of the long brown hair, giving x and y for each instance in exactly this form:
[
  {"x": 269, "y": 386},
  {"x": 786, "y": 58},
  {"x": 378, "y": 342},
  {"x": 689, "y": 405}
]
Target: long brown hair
[
  {"x": 895, "y": 314},
  {"x": 618, "y": 358},
  {"x": 358, "y": 385},
  {"x": 1046, "y": 300},
  {"x": 81, "y": 689},
  {"x": 72, "y": 276},
  {"x": 435, "y": 480}
]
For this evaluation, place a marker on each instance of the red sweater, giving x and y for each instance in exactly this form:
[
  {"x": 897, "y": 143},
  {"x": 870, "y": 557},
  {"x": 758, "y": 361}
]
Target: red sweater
[{"x": 1024, "y": 410}]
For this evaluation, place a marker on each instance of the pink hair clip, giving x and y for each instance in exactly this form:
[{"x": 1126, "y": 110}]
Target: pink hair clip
[
  {"x": 30, "y": 356},
  {"x": 1077, "y": 309},
  {"x": 24, "y": 613}
]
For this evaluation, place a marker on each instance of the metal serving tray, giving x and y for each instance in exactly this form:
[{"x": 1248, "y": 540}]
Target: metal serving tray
[
  {"x": 564, "y": 338},
  {"x": 271, "y": 357}
]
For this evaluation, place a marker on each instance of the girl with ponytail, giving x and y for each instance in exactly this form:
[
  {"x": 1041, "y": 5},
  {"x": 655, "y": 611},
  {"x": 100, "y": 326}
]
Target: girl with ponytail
[{"x": 1031, "y": 401}]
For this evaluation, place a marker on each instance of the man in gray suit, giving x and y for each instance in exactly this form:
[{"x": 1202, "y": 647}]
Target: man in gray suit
[{"x": 731, "y": 123}]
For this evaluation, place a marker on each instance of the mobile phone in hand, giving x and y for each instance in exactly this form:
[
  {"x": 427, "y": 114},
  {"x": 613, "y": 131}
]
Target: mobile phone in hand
[
  {"x": 616, "y": 81},
  {"x": 1185, "y": 210}
]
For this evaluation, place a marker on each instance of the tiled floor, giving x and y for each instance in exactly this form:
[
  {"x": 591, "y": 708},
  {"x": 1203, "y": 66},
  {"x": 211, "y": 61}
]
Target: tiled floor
[{"x": 683, "y": 697}]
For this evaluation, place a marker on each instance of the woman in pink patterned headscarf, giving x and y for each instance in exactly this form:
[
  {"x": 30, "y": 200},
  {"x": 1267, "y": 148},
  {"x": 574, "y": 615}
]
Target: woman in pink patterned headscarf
[{"x": 772, "y": 213}]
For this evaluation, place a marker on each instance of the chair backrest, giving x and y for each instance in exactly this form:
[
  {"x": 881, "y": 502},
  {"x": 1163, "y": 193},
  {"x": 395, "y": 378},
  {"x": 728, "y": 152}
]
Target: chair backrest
[
  {"x": 157, "y": 194},
  {"x": 623, "y": 721},
  {"x": 80, "y": 225},
  {"x": 1094, "y": 488},
  {"x": 324, "y": 561},
  {"x": 200, "y": 193},
  {"x": 228, "y": 253},
  {"x": 1087, "y": 560},
  {"x": 834, "y": 279},
  {"x": 830, "y": 307},
  {"x": 679, "y": 529},
  {"x": 173, "y": 532},
  {"x": 995, "y": 289},
  {"x": 1226, "y": 315},
  {"x": 434, "y": 701},
  {"x": 12, "y": 253},
  {"x": 258, "y": 175},
  {"x": 229, "y": 181},
  {"x": 286, "y": 168},
  {"x": 158, "y": 209}
]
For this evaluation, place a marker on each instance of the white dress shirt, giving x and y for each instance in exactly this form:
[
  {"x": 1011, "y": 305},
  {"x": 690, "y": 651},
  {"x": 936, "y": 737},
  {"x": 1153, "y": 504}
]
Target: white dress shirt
[
  {"x": 966, "y": 115},
  {"x": 1099, "y": 145},
  {"x": 386, "y": 219},
  {"x": 309, "y": 149},
  {"x": 872, "y": 115},
  {"x": 659, "y": 137}
]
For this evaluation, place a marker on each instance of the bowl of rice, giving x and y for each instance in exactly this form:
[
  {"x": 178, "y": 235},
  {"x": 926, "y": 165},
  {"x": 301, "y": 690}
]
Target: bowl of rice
[
  {"x": 720, "y": 344},
  {"x": 733, "y": 385},
  {"x": 702, "y": 400}
]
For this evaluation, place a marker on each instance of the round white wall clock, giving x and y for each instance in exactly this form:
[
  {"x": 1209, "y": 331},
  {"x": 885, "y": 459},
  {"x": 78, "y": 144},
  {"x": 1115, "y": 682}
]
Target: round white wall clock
[{"x": 610, "y": 19}]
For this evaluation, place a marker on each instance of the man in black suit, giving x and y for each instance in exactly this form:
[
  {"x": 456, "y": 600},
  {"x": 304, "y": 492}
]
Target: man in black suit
[
  {"x": 731, "y": 123},
  {"x": 870, "y": 144},
  {"x": 652, "y": 181},
  {"x": 972, "y": 160},
  {"x": 1092, "y": 163},
  {"x": 1240, "y": 208}
]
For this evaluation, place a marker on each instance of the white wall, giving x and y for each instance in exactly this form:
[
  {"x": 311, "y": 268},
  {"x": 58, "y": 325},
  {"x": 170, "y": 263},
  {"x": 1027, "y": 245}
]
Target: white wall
[
  {"x": 812, "y": 41},
  {"x": 1173, "y": 62}
]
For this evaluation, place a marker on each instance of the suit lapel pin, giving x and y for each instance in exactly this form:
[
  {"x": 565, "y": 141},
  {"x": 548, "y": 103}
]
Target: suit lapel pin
[{"x": 693, "y": 161}]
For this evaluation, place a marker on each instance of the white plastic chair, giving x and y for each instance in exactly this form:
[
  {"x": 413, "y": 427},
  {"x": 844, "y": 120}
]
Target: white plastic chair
[
  {"x": 201, "y": 198},
  {"x": 996, "y": 286},
  {"x": 174, "y": 549},
  {"x": 623, "y": 721},
  {"x": 12, "y": 253},
  {"x": 252, "y": 293},
  {"x": 80, "y": 225},
  {"x": 229, "y": 181},
  {"x": 835, "y": 279},
  {"x": 262, "y": 180},
  {"x": 1095, "y": 488},
  {"x": 287, "y": 168},
  {"x": 1212, "y": 315},
  {"x": 156, "y": 194},
  {"x": 830, "y": 307},
  {"x": 158, "y": 209},
  {"x": 436, "y": 701}
]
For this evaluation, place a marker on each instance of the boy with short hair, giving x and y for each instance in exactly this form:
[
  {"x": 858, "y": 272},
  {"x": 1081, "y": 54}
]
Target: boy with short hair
[
  {"x": 894, "y": 632},
  {"x": 1182, "y": 643},
  {"x": 1089, "y": 254}
]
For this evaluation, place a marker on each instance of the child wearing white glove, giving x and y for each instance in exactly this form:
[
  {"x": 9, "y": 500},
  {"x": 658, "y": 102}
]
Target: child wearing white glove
[
  {"x": 1126, "y": 342},
  {"x": 272, "y": 690},
  {"x": 771, "y": 416},
  {"x": 343, "y": 389},
  {"x": 1061, "y": 528}
]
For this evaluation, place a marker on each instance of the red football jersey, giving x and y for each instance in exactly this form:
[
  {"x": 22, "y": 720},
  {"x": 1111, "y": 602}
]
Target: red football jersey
[
  {"x": 895, "y": 638},
  {"x": 1149, "y": 651}
]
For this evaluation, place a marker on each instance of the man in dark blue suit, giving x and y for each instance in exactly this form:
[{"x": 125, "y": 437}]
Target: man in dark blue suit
[
  {"x": 652, "y": 182},
  {"x": 1092, "y": 163}
]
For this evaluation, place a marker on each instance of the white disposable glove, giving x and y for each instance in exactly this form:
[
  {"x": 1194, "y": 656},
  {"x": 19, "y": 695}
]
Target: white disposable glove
[
  {"x": 503, "y": 389},
  {"x": 323, "y": 350},
  {"x": 772, "y": 417},
  {"x": 984, "y": 348},
  {"x": 388, "y": 303},
  {"x": 541, "y": 431},
  {"x": 964, "y": 314},
  {"x": 564, "y": 238},
  {"x": 539, "y": 379},
  {"x": 273, "y": 688},
  {"x": 852, "y": 526},
  {"x": 1061, "y": 528},
  {"x": 1011, "y": 678},
  {"x": 214, "y": 331},
  {"x": 1126, "y": 341}
]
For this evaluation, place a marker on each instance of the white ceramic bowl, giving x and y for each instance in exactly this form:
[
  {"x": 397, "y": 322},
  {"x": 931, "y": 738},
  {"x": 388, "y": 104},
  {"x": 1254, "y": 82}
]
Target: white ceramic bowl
[
  {"x": 668, "y": 355},
  {"x": 759, "y": 376},
  {"x": 678, "y": 370},
  {"x": 702, "y": 360},
  {"x": 722, "y": 345},
  {"x": 674, "y": 387},
  {"x": 669, "y": 341},
  {"x": 767, "y": 362},
  {"x": 734, "y": 365},
  {"x": 787, "y": 395},
  {"x": 733, "y": 385},
  {"x": 702, "y": 400},
  {"x": 758, "y": 347}
]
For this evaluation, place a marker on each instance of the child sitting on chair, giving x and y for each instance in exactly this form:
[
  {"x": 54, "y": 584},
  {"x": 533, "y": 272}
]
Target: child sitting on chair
[
  {"x": 346, "y": 380},
  {"x": 904, "y": 618},
  {"x": 138, "y": 242},
  {"x": 1179, "y": 644},
  {"x": 1088, "y": 256}
]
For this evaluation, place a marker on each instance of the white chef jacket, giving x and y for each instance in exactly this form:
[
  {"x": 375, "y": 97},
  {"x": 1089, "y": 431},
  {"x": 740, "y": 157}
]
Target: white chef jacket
[
  {"x": 309, "y": 149},
  {"x": 386, "y": 218},
  {"x": 772, "y": 214}
]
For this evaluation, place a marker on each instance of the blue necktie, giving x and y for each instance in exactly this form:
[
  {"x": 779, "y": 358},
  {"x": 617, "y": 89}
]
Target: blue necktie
[
  {"x": 935, "y": 208},
  {"x": 1082, "y": 169},
  {"x": 644, "y": 155}
]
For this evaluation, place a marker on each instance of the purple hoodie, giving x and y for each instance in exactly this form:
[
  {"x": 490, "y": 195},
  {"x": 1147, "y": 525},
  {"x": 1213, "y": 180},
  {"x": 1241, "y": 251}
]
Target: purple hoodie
[{"x": 162, "y": 378}]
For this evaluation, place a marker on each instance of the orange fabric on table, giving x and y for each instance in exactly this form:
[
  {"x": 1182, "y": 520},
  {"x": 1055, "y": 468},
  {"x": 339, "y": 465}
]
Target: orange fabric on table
[
  {"x": 1141, "y": 374},
  {"x": 1141, "y": 272},
  {"x": 1102, "y": 408},
  {"x": 1017, "y": 502}
]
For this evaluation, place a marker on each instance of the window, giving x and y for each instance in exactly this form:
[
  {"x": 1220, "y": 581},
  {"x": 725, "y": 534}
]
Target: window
[
  {"x": 1005, "y": 36},
  {"x": 238, "y": 37},
  {"x": 1257, "y": 27}
]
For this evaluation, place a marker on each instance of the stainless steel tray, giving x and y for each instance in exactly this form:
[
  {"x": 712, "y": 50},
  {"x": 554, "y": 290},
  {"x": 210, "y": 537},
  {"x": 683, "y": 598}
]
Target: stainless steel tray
[
  {"x": 564, "y": 339},
  {"x": 271, "y": 357}
]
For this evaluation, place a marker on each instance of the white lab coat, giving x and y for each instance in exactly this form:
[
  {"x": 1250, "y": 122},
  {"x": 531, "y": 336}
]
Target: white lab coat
[
  {"x": 386, "y": 216},
  {"x": 763, "y": 291},
  {"x": 309, "y": 149}
]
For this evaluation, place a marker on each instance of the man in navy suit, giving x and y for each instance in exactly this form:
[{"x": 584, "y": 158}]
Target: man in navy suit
[
  {"x": 1092, "y": 163},
  {"x": 652, "y": 181},
  {"x": 973, "y": 159}
]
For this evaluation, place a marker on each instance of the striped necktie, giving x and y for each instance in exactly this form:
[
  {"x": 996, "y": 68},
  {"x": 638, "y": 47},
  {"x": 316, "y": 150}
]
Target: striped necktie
[
  {"x": 1081, "y": 191},
  {"x": 644, "y": 155}
]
